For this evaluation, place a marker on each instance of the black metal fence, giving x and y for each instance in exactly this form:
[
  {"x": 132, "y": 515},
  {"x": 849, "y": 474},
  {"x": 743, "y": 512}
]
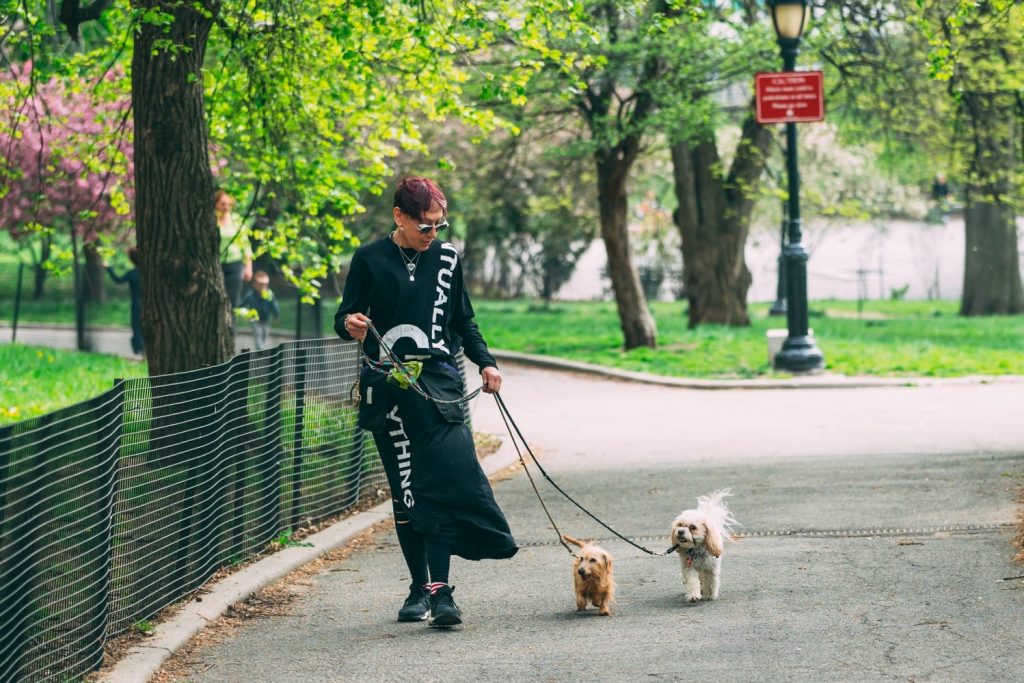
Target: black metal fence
[{"x": 116, "y": 507}]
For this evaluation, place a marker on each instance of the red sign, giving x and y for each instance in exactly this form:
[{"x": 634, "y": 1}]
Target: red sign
[{"x": 790, "y": 96}]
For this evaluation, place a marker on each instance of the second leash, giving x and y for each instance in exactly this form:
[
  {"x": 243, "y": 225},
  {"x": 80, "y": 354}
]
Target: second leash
[{"x": 510, "y": 423}]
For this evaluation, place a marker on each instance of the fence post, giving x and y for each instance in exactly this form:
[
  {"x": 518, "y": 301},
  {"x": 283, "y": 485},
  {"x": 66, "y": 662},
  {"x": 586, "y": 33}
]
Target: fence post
[
  {"x": 108, "y": 455},
  {"x": 17, "y": 302},
  {"x": 10, "y": 645},
  {"x": 238, "y": 419},
  {"x": 318, "y": 317},
  {"x": 21, "y": 567},
  {"x": 300, "y": 410},
  {"x": 272, "y": 457}
]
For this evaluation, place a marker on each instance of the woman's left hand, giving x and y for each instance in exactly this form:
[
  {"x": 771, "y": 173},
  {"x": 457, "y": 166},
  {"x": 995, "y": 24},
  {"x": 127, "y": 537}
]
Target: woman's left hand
[{"x": 492, "y": 379}]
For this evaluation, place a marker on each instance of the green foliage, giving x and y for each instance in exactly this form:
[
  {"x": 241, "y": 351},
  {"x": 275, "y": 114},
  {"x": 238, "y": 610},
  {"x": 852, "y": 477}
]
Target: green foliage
[
  {"x": 285, "y": 540},
  {"x": 902, "y": 72},
  {"x": 35, "y": 381},
  {"x": 144, "y": 627},
  {"x": 890, "y": 338}
]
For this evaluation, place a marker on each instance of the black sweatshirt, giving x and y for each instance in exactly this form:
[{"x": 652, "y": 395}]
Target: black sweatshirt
[{"x": 429, "y": 317}]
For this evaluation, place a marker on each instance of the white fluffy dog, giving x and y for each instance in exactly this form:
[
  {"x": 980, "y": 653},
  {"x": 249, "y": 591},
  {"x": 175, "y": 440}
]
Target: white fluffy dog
[{"x": 699, "y": 535}]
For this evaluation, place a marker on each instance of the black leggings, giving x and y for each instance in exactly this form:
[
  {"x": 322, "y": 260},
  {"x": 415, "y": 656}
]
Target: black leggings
[{"x": 427, "y": 560}]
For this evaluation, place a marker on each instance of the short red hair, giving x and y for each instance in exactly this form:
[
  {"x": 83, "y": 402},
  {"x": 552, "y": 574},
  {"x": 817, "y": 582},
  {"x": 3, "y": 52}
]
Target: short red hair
[{"x": 415, "y": 194}]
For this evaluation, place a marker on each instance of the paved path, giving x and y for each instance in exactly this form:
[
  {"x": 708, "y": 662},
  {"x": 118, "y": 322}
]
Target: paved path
[{"x": 878, "y": 522}]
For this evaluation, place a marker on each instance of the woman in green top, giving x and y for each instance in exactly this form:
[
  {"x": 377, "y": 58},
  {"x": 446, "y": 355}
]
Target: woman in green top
[{"x": 235, "y": 252}]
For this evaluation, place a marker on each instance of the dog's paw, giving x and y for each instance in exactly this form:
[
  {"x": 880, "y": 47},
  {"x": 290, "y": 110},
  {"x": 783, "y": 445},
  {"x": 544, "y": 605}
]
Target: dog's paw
[{"x": 693, "y": 597}]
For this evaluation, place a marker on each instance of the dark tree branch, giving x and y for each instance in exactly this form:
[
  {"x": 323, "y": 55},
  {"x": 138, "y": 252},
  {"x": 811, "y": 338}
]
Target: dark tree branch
[{"x": 73, "y": 15}]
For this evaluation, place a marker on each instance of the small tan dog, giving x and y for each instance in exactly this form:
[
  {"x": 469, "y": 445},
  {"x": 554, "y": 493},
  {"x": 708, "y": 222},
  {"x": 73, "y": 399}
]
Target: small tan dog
[{"x": 592, "y": 577}]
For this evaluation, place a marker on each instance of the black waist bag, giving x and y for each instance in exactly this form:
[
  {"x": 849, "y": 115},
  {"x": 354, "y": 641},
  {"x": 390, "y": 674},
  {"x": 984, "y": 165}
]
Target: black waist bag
[{"x": 373, "y": 400}]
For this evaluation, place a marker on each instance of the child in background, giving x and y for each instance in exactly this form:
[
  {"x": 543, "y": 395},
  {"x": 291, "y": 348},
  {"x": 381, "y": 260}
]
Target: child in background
[{"x": 261, "y": 300}]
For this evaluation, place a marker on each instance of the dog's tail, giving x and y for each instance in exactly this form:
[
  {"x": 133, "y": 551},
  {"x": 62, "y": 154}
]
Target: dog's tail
[
  {"x": 715, "y": 509},
  {"x": 575, "y": 542}
]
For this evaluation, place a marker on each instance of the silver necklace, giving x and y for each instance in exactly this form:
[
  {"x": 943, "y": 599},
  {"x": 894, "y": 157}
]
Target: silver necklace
[{"x": 410, "y": 263}]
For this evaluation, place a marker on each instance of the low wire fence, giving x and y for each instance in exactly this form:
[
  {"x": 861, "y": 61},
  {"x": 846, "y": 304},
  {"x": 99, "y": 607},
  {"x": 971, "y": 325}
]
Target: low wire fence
[{"x": 117, "y": 507}]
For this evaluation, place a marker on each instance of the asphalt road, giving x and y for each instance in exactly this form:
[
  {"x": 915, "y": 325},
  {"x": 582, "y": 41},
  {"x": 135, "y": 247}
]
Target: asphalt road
[{"x": 877, "y": 527}]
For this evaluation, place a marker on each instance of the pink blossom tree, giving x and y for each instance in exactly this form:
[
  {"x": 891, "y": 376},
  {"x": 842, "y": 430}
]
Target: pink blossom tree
[{"x": 65, "y": 167}]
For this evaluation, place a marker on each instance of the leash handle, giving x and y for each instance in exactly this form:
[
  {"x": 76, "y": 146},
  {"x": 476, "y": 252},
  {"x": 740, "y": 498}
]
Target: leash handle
[
  {"x": 503, "y": 409},
  {"x": 413, "y": 382}
]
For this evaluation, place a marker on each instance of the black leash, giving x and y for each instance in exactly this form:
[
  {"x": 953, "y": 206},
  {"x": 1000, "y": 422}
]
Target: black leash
[
  {"x": 510, "y": 423},
  {"x": 502, "y": 412},
  {"x": 507, "y": 418}
]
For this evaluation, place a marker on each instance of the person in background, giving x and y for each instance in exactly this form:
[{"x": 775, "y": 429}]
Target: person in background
[
  {"x": 135, "y": 289},
  {"x": 410, "y": 283},
  {"x": 261, "y": 299},
  {"x": 940, "y": 191},
  {"x": 235, "y": 251}
]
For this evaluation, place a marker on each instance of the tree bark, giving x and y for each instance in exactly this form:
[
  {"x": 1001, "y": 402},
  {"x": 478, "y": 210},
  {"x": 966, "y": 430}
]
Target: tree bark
[
  {"x": 638, "y": 328},
  {"x": 186, "y": 317},
  {"x": 992, "y": 281},
  {"x": 95, "y": 283},
  {"x": 713, "y": 220}
]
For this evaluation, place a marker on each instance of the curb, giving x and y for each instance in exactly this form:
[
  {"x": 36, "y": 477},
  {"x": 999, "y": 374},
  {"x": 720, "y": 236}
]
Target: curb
[
  {"x": 815, "y": 381},
  {"x": 141, "y": 662}
]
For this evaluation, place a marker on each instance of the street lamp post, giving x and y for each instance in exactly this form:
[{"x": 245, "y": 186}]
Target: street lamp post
[
  {"x": 779, "y": 307},
  {"x": 798, "y": 353}
]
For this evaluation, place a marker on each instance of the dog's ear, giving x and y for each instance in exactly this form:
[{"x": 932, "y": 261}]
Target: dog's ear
[
  {"x": 713, "y": 539},
  {"x": 608, "y": 561}
]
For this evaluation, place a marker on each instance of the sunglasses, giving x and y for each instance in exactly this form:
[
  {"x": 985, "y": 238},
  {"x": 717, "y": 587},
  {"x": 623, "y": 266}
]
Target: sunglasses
[{"x": 424, "y": 228}]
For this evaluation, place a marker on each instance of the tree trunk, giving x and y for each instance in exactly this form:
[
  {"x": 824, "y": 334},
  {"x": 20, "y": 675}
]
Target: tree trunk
[
  {"x": 638, "y": 327},
  {"x": 186, "y": 318},
  {"x": 992, "y": 281},
  {"x": 713, "y": 219},
  {"x": 95, "y": 283},
  {"x": 38, "y": 269}
]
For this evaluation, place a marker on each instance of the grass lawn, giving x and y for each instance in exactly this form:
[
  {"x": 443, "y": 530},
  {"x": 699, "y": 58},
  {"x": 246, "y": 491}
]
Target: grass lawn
[
  {"x": 36, "y": 380},
  {"x": 888, "y": 338}
]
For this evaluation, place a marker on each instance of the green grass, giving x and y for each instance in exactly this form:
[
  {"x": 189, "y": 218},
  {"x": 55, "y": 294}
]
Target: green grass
[
  {"x": 35, "y": 381},
  {"x": 888, "y": 338}
]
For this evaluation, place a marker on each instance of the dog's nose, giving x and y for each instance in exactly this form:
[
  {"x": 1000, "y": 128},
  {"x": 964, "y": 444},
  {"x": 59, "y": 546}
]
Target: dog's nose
[{"x": 581, "y": 571}]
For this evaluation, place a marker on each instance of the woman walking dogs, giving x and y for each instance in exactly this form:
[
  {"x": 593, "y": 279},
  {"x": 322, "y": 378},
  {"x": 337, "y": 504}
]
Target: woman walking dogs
[{"x": 409, "y": 286}]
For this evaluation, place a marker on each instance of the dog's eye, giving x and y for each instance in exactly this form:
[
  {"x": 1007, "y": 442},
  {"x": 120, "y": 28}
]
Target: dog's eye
[
  {"x": 693, "y": 527},
  {"x": 593, "y": 559}
]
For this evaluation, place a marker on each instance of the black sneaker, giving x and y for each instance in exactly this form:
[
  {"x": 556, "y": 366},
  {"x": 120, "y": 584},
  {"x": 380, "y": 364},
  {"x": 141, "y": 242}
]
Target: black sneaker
[
  {"x": 443, "y": 608},
  {"x": 417, "y": 605}
]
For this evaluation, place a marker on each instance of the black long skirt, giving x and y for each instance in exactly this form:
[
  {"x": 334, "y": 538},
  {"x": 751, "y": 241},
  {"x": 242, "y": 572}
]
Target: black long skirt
[{"x": 432, "y": 469}]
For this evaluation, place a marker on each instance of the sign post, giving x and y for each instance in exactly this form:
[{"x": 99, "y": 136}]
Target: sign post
[{"x": 790, "y": 96}]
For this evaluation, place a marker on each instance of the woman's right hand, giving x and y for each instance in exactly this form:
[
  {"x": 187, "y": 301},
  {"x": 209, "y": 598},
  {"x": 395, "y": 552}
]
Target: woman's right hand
[{"x": 357, "y": 324}]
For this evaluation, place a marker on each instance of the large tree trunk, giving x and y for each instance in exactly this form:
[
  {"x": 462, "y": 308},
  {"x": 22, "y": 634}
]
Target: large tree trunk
[
  {"x": 992, "y": 281},
  {"x": 186, "y": 318},
  {"x": 638, "y": 327},
  {"x": 713, "y": 219}
]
